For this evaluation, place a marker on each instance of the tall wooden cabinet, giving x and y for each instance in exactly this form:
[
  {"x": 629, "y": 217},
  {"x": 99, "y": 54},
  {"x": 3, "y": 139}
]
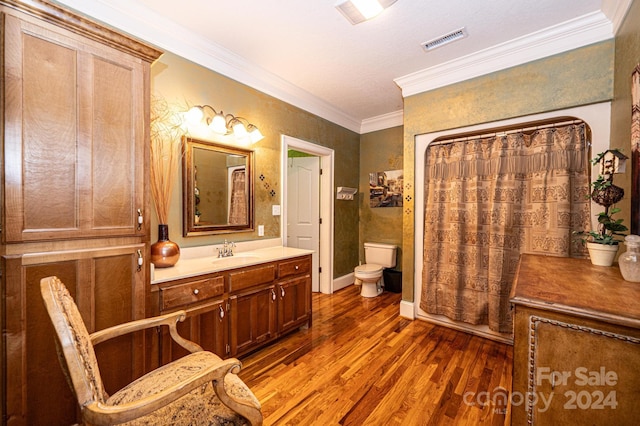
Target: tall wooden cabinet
[{"x": 75, "y": 199}]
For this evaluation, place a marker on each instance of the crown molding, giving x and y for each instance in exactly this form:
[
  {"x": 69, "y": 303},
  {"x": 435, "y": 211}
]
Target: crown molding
[
  {"x": 143, "y": 23},
  {"x": 579, "y": 32},
  {"x": 616, "y": 10},
  {"x": 381, "y": 122}
]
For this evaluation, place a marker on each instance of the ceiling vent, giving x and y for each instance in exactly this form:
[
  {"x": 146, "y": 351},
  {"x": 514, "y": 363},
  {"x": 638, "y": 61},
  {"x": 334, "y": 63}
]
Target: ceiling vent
[
  {"x": 350, "y": 9},
  {"x": 445, "y": 39}
]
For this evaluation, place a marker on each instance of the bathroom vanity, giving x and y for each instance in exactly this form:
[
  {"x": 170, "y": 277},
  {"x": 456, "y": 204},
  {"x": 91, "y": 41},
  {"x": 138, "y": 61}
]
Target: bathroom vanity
[{"x": 235, "y": 304}]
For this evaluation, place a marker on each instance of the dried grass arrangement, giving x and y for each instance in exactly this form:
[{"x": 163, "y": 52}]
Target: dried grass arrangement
[{"x": 167, "y": 129}]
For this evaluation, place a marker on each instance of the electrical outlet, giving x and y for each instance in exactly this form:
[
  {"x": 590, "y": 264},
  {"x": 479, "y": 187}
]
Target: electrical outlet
[
  {"x": 260, "y": 230},
  {"x": 275, "y": 210}
]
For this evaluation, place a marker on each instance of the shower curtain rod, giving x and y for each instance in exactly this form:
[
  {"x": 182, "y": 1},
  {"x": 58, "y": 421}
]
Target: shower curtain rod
[{"x": 512, "y": 130}]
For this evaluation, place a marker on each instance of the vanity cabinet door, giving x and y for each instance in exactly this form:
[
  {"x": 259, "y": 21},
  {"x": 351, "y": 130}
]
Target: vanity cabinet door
[
  {"x": 108, "y": 289},
  {"x": 75, "y": 131},
  {"x": 207, "y": 325},
  {"x": 252, "y": 319},
  {"x": 294, "y": 303}
]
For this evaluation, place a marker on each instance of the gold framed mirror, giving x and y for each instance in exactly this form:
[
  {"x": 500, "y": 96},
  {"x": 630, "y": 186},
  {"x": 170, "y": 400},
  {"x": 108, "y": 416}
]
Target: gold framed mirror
[{"x": 217, "y": 188}]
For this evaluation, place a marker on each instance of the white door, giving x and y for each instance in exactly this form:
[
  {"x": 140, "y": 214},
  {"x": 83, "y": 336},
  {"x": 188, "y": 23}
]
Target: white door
[{"x": 303, "y": 209}]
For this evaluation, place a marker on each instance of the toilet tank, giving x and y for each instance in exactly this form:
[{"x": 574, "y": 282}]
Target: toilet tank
[{"x": 380, "y": 254}]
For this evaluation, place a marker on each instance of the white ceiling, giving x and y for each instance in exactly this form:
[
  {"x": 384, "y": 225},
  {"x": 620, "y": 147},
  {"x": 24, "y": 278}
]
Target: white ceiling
[{"x": 306, "y": 53}]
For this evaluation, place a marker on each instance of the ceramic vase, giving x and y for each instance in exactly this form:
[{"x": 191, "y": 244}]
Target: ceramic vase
[
  {"x": 602, "y": 254},
  {"x": 164, "y": 252}
]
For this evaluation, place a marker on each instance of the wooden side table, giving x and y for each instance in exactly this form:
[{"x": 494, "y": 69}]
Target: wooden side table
[{"x": 576, "y": 344}]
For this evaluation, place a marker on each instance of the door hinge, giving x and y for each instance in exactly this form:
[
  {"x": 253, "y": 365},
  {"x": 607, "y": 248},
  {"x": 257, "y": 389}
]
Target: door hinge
[
  {"x": 320, "y": 270},
  {"x": 228, "y": 349},
  {"x": 320, "y": 172},
  {"x": 228, "y": 306},
  {"x": 320, "y": 221}
]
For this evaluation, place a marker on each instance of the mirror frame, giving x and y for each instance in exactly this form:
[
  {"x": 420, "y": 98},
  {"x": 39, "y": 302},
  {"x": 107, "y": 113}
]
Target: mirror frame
[{"x": 189, "y": 227}]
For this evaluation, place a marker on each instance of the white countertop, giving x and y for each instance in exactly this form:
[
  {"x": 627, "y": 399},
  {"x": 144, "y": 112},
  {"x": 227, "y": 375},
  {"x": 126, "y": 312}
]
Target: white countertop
[{"x": 188, "y": 266}]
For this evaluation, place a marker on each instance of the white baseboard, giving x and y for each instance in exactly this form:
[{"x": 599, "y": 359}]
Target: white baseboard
[
  {"x": 406, "y": 310},
  {"x": 478, "y": 330},
  {"x": 343, "y": 281}
]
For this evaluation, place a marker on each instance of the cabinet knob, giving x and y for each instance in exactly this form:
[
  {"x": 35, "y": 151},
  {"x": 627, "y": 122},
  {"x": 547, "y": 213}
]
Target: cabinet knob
[
  {"x": 297, "y": 267},
  {"x": 221, "y": 312},
  {"x": 140, "y": 219},
  {"x": 273, "y": 295},
  {"x": 282, "y": 291},
  {"x": 196, "y": 291}
]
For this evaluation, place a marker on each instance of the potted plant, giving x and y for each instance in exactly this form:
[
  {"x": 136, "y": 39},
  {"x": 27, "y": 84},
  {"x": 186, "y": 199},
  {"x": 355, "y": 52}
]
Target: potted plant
[{"x": 602, "y": 242}]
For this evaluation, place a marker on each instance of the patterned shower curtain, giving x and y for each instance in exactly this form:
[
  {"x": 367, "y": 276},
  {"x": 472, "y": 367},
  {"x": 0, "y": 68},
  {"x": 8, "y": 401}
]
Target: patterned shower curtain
[
  {"x": 238, "y": 205},
  {"x": 488, "y": 200}
]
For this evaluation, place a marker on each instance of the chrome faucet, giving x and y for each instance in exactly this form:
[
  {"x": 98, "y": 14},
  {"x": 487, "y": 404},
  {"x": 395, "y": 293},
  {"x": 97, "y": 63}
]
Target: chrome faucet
[{"x": 227, "y": 249}]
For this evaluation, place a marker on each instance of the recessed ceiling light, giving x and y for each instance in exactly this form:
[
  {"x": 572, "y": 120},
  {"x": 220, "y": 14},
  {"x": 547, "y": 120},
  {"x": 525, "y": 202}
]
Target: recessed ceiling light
[{"x": 357, "y": 11}]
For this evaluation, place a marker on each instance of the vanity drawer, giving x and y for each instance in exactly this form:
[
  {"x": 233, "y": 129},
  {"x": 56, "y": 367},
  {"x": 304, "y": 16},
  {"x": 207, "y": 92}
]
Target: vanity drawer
[
  {"x": 301, "y": 265},
  {"x": 249, "y": 277},
  {"x": 191, "y": 292}
]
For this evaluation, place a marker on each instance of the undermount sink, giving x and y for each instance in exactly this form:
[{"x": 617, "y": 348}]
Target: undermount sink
[{"x": 237, "y": 257}]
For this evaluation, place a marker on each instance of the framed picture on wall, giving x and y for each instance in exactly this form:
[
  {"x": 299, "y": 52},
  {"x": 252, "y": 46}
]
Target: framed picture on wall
[{"x": 385, "y": 188}]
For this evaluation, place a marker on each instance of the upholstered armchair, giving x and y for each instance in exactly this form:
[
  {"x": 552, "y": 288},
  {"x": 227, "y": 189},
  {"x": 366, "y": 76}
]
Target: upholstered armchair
[{"x": 199, "y": 388}]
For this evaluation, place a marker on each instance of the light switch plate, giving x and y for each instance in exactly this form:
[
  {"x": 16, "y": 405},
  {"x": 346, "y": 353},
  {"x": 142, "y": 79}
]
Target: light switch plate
[
  {"x": 275, "y": 210},
  {"x": 260, "y": 230}
]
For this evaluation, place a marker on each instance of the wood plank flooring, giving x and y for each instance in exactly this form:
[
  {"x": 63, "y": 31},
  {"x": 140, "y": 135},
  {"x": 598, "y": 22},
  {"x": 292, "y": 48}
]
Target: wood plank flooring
[{"x": 361, "y": 364}]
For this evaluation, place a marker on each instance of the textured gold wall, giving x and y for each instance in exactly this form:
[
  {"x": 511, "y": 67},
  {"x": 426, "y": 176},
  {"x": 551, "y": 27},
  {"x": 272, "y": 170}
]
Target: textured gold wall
[
  {"x": 627, "y": 57},
  {"x": 182, "y": 82},
  {"x": 380, "y": 151},
  {"x": 579, "y": 77}
]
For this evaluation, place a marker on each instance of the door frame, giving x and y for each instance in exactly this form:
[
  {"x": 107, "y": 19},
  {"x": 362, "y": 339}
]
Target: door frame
[{"x": 326, "y": 203}]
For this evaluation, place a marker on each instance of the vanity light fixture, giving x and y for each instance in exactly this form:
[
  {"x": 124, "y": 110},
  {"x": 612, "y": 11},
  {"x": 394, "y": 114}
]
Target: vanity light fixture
[{"x": 224, "y": 124}]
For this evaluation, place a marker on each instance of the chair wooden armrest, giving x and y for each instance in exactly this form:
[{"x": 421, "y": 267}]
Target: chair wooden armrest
[
  {"x": 170, "y": 320},
  {"x": 104, "y": 414}
]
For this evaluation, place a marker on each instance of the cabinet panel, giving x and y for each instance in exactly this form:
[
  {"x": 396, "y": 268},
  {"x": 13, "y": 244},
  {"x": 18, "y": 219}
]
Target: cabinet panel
[
  {"x": 58, "y": 184},
  {"x": 590, "y": 385},
  {"x": 294, "y": 303},
  {"x": 253, "y": 319},
  {"x": 249, "y": 277},
  {"x": 299, "y": 266},
  {"x": 50, "y": 181},
  {"x": 190, "y": 292},
  {"x": 206, "y": 325},
  {"x": 37, "y": 392}
]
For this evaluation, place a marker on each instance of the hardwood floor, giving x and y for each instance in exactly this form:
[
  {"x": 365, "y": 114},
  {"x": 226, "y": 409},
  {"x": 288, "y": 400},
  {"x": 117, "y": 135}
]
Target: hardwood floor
[{"x": 361, "y": 364}]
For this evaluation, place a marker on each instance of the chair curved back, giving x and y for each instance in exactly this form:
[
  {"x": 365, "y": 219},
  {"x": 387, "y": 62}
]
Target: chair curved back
[{"x": 73, "y": 341}]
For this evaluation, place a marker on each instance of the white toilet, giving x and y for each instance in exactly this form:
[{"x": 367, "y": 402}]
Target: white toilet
[{"x": 377, "y": 257}]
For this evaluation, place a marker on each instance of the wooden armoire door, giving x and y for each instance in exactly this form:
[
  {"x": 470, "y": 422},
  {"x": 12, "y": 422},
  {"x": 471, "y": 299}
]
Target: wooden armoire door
[
  {"x": 75, "y": 198},
  {"x": 74, "y": 135},
  {"x": 108, "y": 288}
]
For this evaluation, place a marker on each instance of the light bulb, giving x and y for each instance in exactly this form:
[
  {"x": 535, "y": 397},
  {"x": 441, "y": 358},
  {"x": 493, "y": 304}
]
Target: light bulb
[
  {"x": 218, "y": 124},
  {"x": 239, "y": 130},
  {"x": 255, "y": 134},
  {"x": 194, "y": 115}
]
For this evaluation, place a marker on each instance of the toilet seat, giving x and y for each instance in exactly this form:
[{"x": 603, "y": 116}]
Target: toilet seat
[{"x": 368, "y": 270}]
